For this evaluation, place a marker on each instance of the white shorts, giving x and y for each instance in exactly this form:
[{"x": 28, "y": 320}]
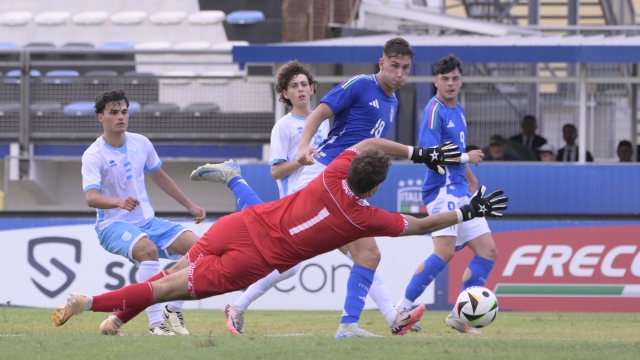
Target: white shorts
[
  {"x": 309, "y": 173},
  {"x": 464, "y": 232}
]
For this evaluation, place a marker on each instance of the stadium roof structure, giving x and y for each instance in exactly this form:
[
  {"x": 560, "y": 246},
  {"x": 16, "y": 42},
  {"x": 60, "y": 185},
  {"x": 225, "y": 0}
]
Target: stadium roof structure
[{"x": 471, "y": 48}]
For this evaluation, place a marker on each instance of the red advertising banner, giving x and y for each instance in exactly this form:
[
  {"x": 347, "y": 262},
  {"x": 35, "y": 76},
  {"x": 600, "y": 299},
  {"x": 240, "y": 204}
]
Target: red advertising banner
[{"x": 594, "y": 269}]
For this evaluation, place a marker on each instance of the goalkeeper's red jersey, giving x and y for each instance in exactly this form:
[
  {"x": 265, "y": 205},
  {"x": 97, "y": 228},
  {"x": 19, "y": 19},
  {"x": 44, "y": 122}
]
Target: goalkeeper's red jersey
[{"x": 319, "y": 218}]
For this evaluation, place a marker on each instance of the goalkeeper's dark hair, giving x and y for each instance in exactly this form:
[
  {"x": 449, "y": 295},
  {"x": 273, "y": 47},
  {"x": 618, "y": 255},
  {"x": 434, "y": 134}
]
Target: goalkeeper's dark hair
[
  {"x": 107, "y": 97},
  {"x": 287, "y": 72},
  {"x": 368, "y": 170},
  {"x": 447, "y": 64}
]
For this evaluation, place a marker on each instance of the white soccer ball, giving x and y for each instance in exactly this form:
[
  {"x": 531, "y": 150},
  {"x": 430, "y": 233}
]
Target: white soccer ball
[{"x": 477, "y": 306}]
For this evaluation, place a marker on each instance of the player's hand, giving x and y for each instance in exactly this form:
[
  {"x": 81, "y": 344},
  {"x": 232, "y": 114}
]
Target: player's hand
[
  {"x": 305, "y": 155},
  {"x": 484, "y": 206},
  {"x": 475, "y": 156},
  {"x": 199, "y": 213},
  {"x": 435, "y": 156},
  {"x": 129, "y": 203}
]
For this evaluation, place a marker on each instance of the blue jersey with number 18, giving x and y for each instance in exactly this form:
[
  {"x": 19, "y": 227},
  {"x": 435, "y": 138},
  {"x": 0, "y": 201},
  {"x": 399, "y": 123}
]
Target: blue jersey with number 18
[
  {"x": 362, "y": 110},
  {"x": 440, "y": 124}
]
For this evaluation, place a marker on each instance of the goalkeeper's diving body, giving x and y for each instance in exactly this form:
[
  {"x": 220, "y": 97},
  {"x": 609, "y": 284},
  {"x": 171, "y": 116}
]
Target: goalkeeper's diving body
[{"x": 243, "y": 247}]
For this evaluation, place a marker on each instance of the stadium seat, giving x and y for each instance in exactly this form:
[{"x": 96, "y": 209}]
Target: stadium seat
[
  {"x": 201, "y": 109},
  {"x": 52, "y": 18},
  {"x": 177, "y": 77},
  {"x": 193, "y": 45},
  {"x": 206, "y": 17},
  {"x": 8, "y": 45},
  {"x": 134, "y": 107},
  {"x": 153, "y": 45},
  {"x": 60, "y": 77},
  {"x": 40, "y": 46},
  {"x": 46, "y": 108},
  {"x": 13, "y": 76},
  {"x": 128, "y": 17},
  {"x": 116, "y": 45},
  {"x": 222, "y": 77},
  {"x": 245, "y": 17},
  {"x": 9, "y": 109},
  {"x": 80, "y": 108},
  {"x": 104, "y": 78},
  {"x": 15, "y": 18},
  {"x": 160, "y": 109},
  {"x": 228, "y": 45},
  {"x": 90, "y": 18},
  {"x": 167, "y": 17},
  {"x": 77, "y": 46}
]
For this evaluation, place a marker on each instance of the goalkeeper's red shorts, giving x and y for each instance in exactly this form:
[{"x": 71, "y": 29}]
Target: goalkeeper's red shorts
[{"x": 225, "y": 259}]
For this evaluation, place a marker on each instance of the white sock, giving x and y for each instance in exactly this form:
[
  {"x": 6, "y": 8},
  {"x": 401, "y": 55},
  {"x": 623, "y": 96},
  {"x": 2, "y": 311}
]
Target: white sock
[
  {"x": 176, "y": 305},
  {"x": 380, "y": 295},
  {"x": 261, "y": 286},
  {"x": 148, "y": 269},
  {"x": 404, "y": 303}
]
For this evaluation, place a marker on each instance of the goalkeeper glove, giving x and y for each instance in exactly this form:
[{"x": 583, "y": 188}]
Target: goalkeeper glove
[
  {"x": 435, "y": 156},
  {"x": 484, "y": 206}
]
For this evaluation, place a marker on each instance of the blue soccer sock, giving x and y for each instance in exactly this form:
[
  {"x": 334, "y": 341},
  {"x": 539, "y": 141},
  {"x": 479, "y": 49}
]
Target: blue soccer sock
[
  {"x": 358, "y": 285},
  {"x": 245, "y": 196},
  {"x": 432, "y": 267},
  {"x": 480, "y": 269}
]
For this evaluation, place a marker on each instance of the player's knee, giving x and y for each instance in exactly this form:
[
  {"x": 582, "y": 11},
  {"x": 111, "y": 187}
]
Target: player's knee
[
  {"x": 492, "y": 254},
  {"x": 369, "y": 257},
  {"x": 145, "y": 251},
  {"x": 446, "y": 256}
]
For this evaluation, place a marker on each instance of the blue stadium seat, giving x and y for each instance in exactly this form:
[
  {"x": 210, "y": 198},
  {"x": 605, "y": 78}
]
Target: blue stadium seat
[
  {"x": 60, "y": 76},
  {"x": 116, "y": 45},
  {"x": 245, "y": 17},
  {"x": 134, "y": 107},
  {"x": 80, "y": 108},
  {"x": 8, "y": 45},
  {"x": 13, "y": 76}
]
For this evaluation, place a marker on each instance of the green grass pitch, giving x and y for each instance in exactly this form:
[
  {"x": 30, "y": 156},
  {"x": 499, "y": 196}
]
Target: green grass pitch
[{"x": 29, "y": 334}]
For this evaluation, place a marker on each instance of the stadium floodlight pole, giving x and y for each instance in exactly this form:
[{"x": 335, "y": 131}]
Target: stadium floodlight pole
[{"x": 582, "y": 115}]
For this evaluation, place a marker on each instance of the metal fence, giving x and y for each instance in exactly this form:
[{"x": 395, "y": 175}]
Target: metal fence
[{"x": 203, "y": 96}]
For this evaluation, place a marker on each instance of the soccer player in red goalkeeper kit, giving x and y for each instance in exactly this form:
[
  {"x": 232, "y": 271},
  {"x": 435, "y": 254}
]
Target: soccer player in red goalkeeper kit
[{"x": 331, "y": 211}]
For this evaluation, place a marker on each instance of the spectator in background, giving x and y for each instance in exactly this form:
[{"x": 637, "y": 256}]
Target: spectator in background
[
  {"x": 528, "y": 137},
  {"x": 547, "y": 153},
  {"x": 498, "y": 149},
  {"x": 625, "y": 151},
  {"x": 570, "y": 151}
]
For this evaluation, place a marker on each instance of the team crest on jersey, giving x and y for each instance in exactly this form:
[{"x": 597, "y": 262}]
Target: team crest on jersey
[
  {"x": 410, "y": 197},
  {"x": 135, "y": 152},
  {"x": 393, "y": 112}
]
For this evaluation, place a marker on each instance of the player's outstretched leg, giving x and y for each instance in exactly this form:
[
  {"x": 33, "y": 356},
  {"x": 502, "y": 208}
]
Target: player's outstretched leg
[
  {"x": 235, "y": 319},
  {"x": 172, "y": 315},
  {"x": 406, "y": 319},
  {"x": 217, "y": 173},
  {"x": 76, "y": 304},
  {"x": 111, "y": 326}
]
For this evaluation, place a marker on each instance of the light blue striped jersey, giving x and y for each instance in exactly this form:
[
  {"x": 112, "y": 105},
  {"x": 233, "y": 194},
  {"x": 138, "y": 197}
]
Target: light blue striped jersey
[
  {"x": 362, "y": 110},
  {"x": 440, "y": 124}
]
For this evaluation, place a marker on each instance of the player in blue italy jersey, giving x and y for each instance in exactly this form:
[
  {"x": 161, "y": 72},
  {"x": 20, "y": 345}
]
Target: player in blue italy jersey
[
  {"x": 363, "y": 107},
  {"x": 443, "y": 120}
]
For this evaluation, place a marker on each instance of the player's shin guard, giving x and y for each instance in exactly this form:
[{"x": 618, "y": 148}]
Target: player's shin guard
[
  {"x": 358, "y": 286},
  {"x": 245, "y": 196},
  {"x": 432, "y": 267},
  {"x": 480, "y": 269},
  {"x": 261, "y": 286},
  {"x": 126, "y": 315}
]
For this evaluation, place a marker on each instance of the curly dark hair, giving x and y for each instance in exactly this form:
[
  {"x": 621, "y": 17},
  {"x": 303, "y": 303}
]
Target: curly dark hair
[
  {"x": 368, "y": 170},
  {"x": 447, "y": 64},
  {"x": 287, "y": 72},
  {"x": 107, "y": 97},
  {"x": 398, "y": 47}
]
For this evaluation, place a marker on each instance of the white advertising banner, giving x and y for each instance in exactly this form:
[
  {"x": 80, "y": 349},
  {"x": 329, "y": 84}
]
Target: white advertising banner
[{"x": 41, "y": 265}]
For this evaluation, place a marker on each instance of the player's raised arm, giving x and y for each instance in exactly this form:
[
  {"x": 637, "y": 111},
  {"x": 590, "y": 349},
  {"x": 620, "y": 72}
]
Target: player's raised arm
[
  {"x": 478, "y": 207},
  {"x": 433, "y": 157},
  {"x": 311, "y": 125}
]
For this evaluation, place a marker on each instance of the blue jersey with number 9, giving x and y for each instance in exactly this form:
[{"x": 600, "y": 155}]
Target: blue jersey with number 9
[
  {"x": 361, "y": 110},
  {"x": 440, "y": 124}
]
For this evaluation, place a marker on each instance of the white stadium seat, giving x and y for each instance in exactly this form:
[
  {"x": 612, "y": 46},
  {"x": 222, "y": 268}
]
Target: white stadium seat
[
  {"x": 153, "y": 45},
  {"x": 228, "y": 45},
  {"x": 167, "y": 17},
  {"x": 52, "y": 18},
  {"x": 128, "y": 17},
  {"x": 181, "y": 77},
  {"x": 206, "y": 17},
  {"x": 91, "y": 18},
  {"x": 15, "y": 18},
  {"x": 223, "y": 74},
  {"x": 193, "y": 45}
]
